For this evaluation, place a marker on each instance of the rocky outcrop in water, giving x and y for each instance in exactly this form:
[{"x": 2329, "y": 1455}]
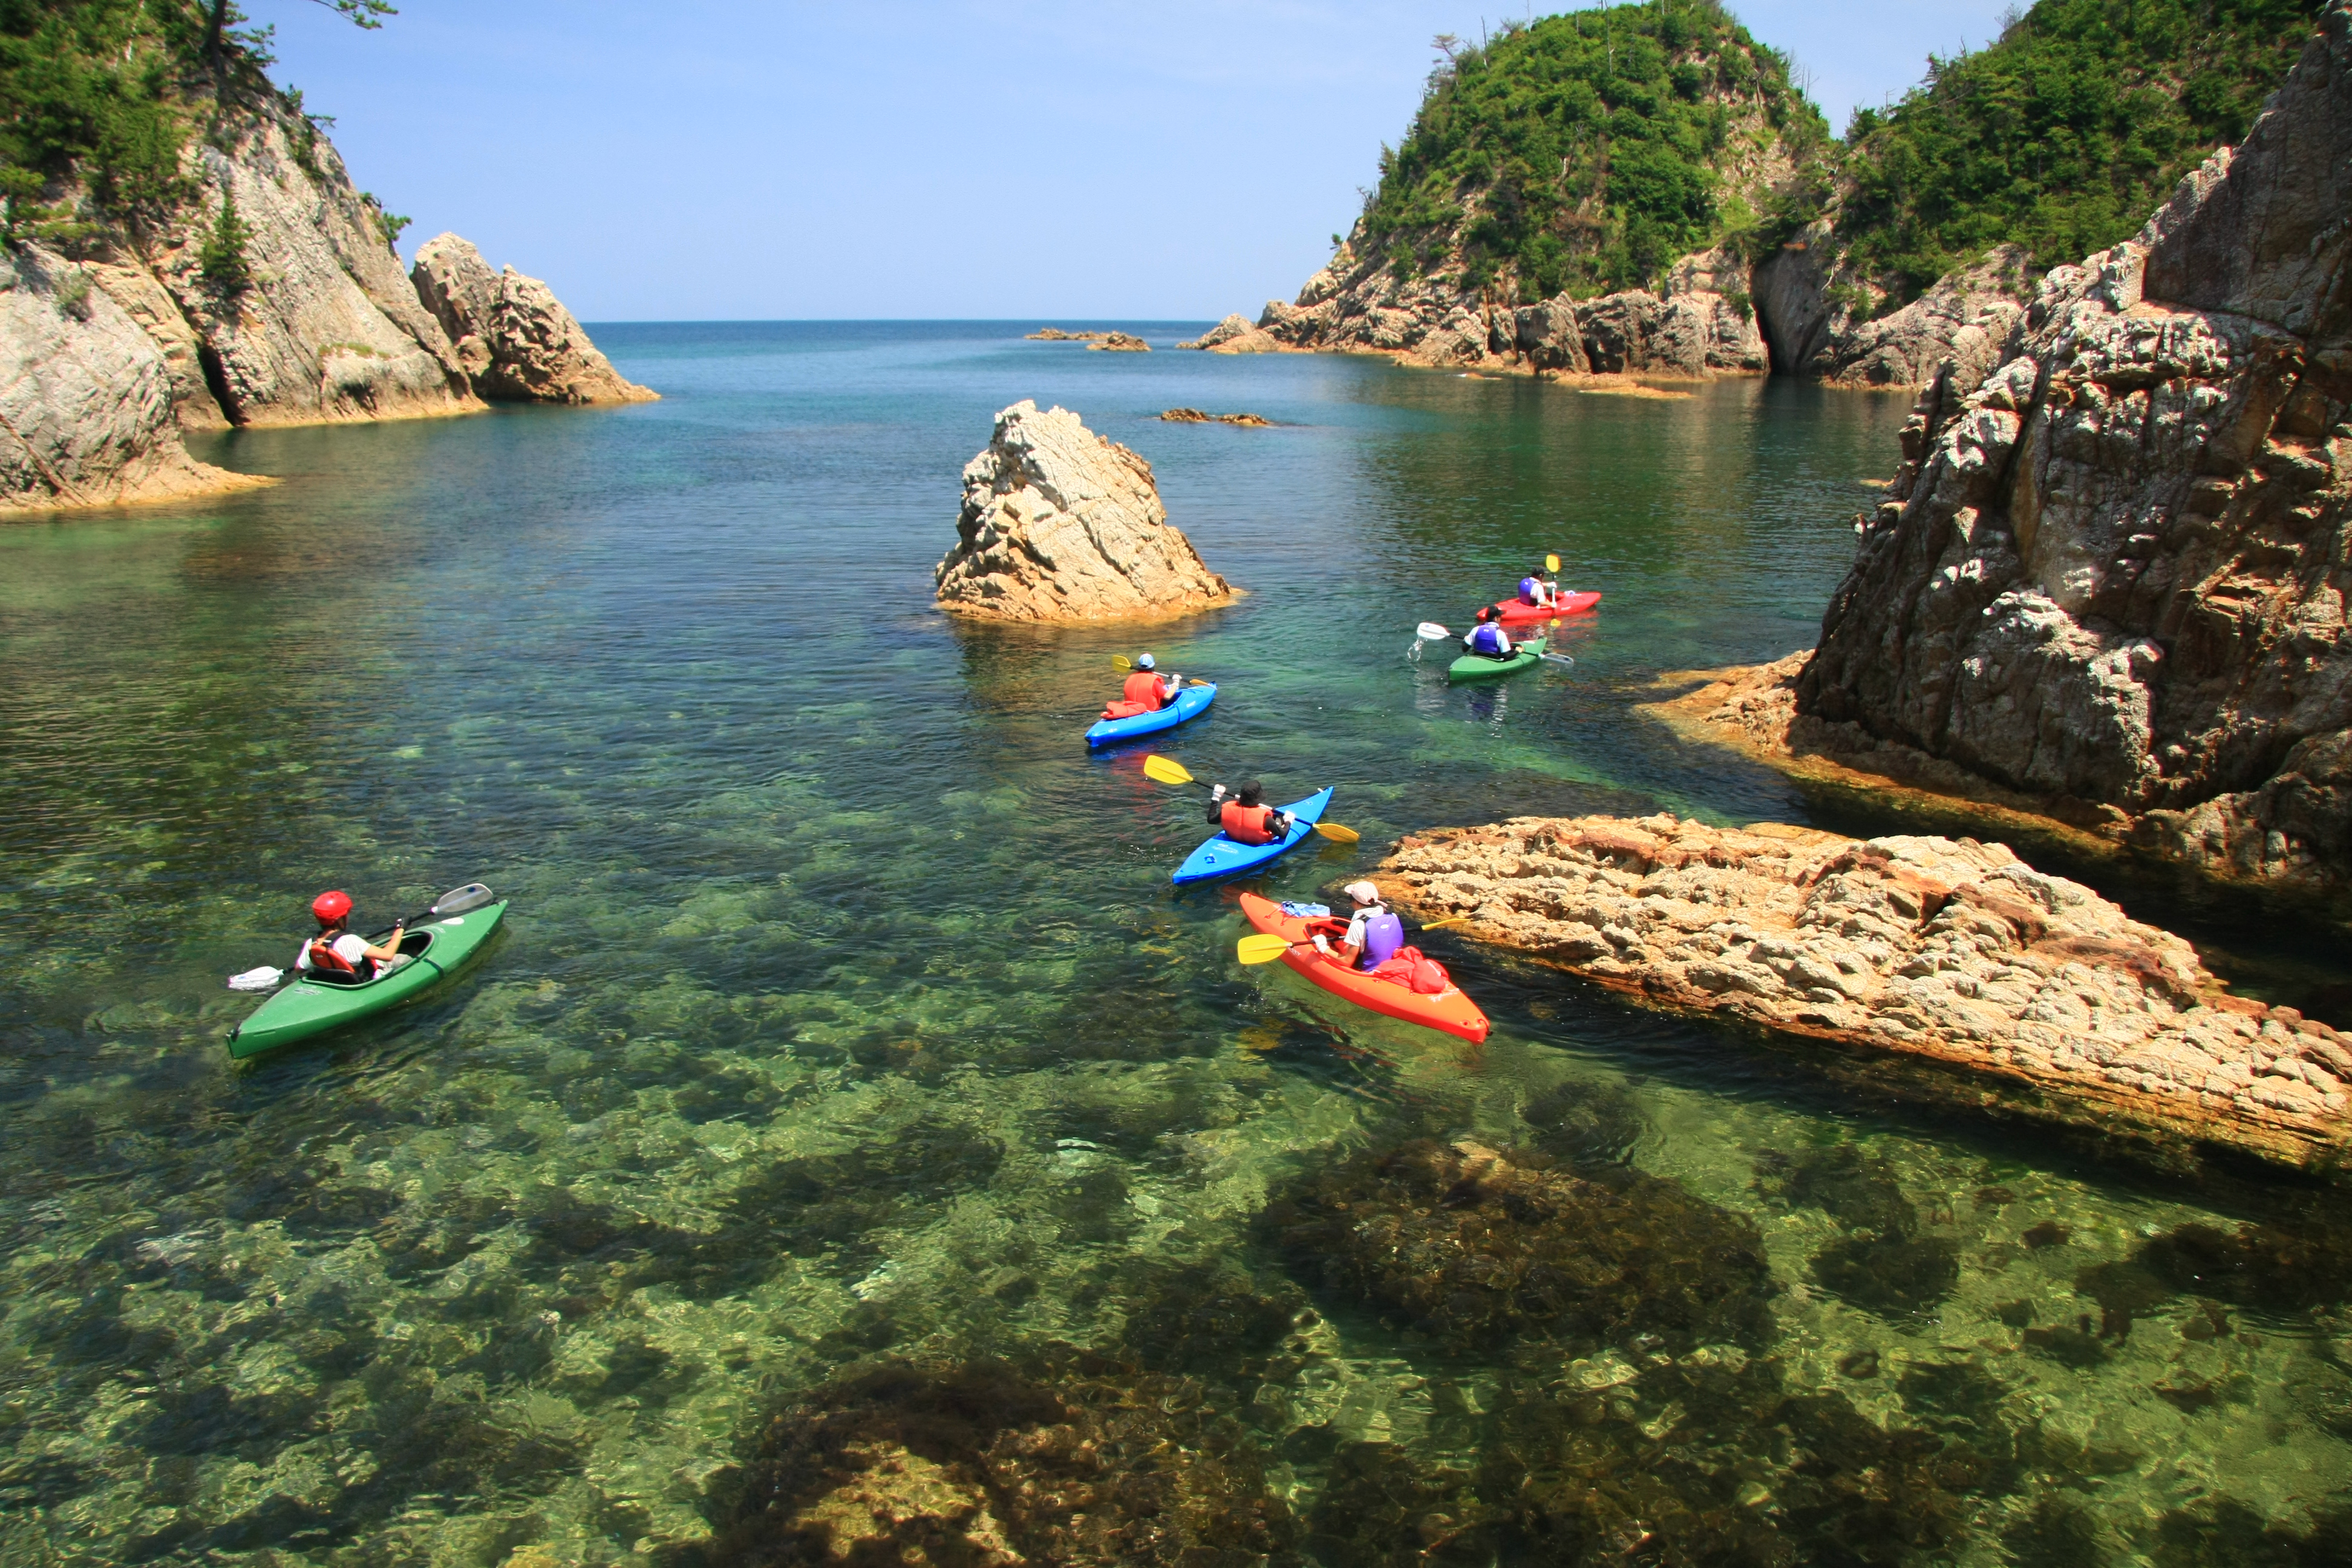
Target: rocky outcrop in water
[
  {"x": 1806, "y": 300},
  {"x": 311, "y": 320},
  {"x": 510, "y": 333},
  {"x": 1957, "y": 954},
  {"x": 2113, "y": 574},
  {"x": 1061, "y": 524},
  {"x": 1234, "y": 335},
  {"x": 86, "y": 397},
  {"x": 1118, "y": 342}
]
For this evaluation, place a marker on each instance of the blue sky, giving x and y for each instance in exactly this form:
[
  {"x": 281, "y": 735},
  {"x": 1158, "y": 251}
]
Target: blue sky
[{"x": 1061, "y": 159}]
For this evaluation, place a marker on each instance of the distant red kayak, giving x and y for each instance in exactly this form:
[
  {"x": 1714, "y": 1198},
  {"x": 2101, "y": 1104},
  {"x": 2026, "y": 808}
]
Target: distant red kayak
[{"x": 1517, "y": 611}]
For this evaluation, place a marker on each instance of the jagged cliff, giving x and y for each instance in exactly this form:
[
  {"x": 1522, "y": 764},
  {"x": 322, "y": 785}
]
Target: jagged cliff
[
  {"x": 2109, "y": 580},
  {"x": 247, "y": 281}
]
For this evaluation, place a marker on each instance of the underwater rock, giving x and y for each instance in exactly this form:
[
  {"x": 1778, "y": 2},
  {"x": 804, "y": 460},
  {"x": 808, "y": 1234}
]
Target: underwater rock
[
  {"x": 1066, "y": 1459},
  {"x": 1475, "y": 1248},
  {"x": 2056, "y": 1532},
  {"x": 2223, "y": 1533},
  {"x": 1856, "y": 1188},
  {"x": 2274, "y": 1266},
  {"x": 1586, "y": 1123},
  {"x": 1060, "y": 524},
  {"x": 1950, "y": 955},
  {"x": 1889, "y": 1275},
  {"x": 1709, "y": 1458},
  {"x": 1211, "y": 1323}
]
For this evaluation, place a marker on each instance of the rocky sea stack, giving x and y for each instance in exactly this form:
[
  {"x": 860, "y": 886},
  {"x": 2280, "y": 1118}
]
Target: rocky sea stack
[
  {"x": 1061, "y": 524},
  {"x": 510, "y": 333}
]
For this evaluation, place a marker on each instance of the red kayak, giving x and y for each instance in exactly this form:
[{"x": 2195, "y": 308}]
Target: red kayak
[
  {"x": 1447, "y": 1009},
  {"x": 1518, "y": 611}
]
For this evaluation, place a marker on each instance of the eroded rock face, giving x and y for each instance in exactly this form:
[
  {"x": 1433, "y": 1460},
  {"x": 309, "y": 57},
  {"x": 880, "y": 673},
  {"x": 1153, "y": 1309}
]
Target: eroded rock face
[
  {"x": 1954, "y": 952},
  {"x": 1060, "y": 524},
  {"x": 1695, "y": 328},
  {"x": 2114, "y": 572},
  {"x": 513, "y": 336},
  {"x": 86, "y": 396},
  {"x": 326, "y": 329}
]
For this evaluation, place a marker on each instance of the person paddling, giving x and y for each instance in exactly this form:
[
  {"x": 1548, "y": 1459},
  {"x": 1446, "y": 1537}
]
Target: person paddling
[
  {"x": 1374, "y": 932},
  {"x": 1488, "y": 640},
  {"x": 1536, "y": 590},
  {"x": 1246, "y": 816},
  {"x": 339, "y": 954},
  {"x": 1147, "y": 690}
]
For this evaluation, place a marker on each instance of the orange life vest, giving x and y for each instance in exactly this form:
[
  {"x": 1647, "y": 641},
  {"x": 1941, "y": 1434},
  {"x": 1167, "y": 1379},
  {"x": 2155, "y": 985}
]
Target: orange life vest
[
  {"x": 1248, "y": 824},
  {"x": 325, "y": 956},
  {"x": 1144, "y": 687}
]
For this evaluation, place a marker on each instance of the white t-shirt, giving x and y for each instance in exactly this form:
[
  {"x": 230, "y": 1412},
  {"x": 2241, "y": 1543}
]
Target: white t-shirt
[{"x": 350, "y": 948}]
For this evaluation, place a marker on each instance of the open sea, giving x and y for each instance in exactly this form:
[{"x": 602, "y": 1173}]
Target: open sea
[{"x": 845, "y": 1011}]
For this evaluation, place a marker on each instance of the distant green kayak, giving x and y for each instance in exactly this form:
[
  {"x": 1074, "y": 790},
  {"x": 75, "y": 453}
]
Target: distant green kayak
[
  {"x": 308, "y": 1006},
  {"x": 1479, "y": 666}
]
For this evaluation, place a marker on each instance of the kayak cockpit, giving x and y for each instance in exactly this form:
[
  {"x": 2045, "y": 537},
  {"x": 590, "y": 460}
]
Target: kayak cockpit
[{"x": 414, "y": 945}]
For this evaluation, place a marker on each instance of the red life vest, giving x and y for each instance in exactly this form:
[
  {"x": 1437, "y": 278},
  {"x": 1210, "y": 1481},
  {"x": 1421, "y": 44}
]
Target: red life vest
[
  {"x": 1143, "y": 687},
  {"x": 1248, "y": 824},
  {"x": 324, "y": 956}
]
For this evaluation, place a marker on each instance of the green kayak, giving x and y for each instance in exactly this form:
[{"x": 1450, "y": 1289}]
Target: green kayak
[
  {"x": 1479, "y": 666},
  {"x": 310, "y": 1007}
]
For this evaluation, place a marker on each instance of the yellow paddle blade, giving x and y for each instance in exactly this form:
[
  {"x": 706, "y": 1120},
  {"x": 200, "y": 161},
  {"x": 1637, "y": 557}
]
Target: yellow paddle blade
[
  {"x": 1552, "y": 563},
  {"x": 1337, "y": 834},
  {"x": 1448, "y": 920},
  {"x": 1261, "y": 947},
  {"x": 1164, "y": 771}
]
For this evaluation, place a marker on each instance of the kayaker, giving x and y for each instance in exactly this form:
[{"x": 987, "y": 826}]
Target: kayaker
[
  {"x": 1148, "y": 690},
  {"x": 1535, "y": 591},
  {"x": 1374, "y": 932},
  {"x": 1488, "y": 640},
  {"x": 340, "y": 953},
  {"x": 1246, "y": 816}
]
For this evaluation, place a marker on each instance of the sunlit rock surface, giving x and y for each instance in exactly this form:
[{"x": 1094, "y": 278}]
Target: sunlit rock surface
[
  {"x": 1956, "y": 953},
  {"x": 1061, "y": 524},
  {"x": 512, "y": 333}
]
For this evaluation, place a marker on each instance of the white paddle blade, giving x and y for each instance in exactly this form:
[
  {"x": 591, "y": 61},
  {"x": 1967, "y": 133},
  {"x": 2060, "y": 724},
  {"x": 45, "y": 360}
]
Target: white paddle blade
[
  {"x": 458, "y": 901},
  {"x": 1433, "y": 632},
  {"x": 1559, "y": 658},
  {"x": 262, "y": 979}
]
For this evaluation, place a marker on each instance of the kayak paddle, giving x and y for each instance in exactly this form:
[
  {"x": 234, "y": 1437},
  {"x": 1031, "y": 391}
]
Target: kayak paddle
[
  {"x": 1449, "y": 919},
  {"x": 1262, "y": 947},
  {"x": 1552, "y": 563},
  {"x": 1161, "y": 770},
  {"x": 455, "y": 901}
]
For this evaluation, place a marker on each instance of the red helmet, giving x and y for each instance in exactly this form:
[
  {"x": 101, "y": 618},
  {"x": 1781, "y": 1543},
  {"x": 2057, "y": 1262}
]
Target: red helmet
[{"x": 330, "y": 907}]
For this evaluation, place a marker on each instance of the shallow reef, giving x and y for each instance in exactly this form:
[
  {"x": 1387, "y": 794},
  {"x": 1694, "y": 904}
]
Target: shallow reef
[
  {"x": 1886, "y": 1265},
  {"x": 1062, "y": 1458},
  {"x": 1470, "y": 1248}
]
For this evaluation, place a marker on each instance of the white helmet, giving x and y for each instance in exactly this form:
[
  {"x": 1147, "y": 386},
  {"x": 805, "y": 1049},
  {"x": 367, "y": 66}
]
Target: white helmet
[{"x": 1147, "y": 662}]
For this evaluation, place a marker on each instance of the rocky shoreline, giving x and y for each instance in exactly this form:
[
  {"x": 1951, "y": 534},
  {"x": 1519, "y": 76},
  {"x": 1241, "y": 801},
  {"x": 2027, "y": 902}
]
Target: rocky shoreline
[{"x": 2043, "y": 1000}]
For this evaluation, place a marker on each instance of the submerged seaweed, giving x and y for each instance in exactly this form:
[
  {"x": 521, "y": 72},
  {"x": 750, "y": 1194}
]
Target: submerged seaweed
[
  {"x": 1063, "y": 1458},
  {"x": 1586, "y": 1123},
  {"x": 1474, "y": 1250}
]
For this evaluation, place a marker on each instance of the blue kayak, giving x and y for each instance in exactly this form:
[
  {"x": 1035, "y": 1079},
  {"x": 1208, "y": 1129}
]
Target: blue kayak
[
  {"x": 1221, "y": 856},
  {"x": 1190, "y": 703}
]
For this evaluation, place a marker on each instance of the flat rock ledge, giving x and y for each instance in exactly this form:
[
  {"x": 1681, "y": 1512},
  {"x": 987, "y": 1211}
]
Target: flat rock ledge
[
  {"x": 1060, "y": 524},
  {"x": 1936, "y": 950}
]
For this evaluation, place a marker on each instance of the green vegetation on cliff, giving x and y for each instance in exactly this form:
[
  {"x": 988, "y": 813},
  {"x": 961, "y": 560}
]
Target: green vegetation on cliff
[
  {"x": 2062, "y": 137},
  {"x": 97, "y": 98},
  {"x": 1587, "y": 152}
]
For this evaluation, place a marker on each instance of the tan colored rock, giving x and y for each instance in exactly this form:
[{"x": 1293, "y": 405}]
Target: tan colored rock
[
  {"x": 1945, "y": 953},
  {"x": 1118, "y": 342},
  {"x": 1234, "y": 335},
  {"x": 1060, "y": 524},
  {"x": 86, "y": 397},
  {"x": 889, "y": 1498},
  {"x": 328, "y": 329},
  {"x": 1056, "y": 335},
  {"x": 513, "y": 336},
  {"x": 1201, "y": 416}
]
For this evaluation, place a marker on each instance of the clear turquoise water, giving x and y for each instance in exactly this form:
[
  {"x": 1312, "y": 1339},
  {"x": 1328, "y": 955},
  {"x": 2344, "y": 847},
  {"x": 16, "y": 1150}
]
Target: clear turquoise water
[{"x": 845, "y": 1005}]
